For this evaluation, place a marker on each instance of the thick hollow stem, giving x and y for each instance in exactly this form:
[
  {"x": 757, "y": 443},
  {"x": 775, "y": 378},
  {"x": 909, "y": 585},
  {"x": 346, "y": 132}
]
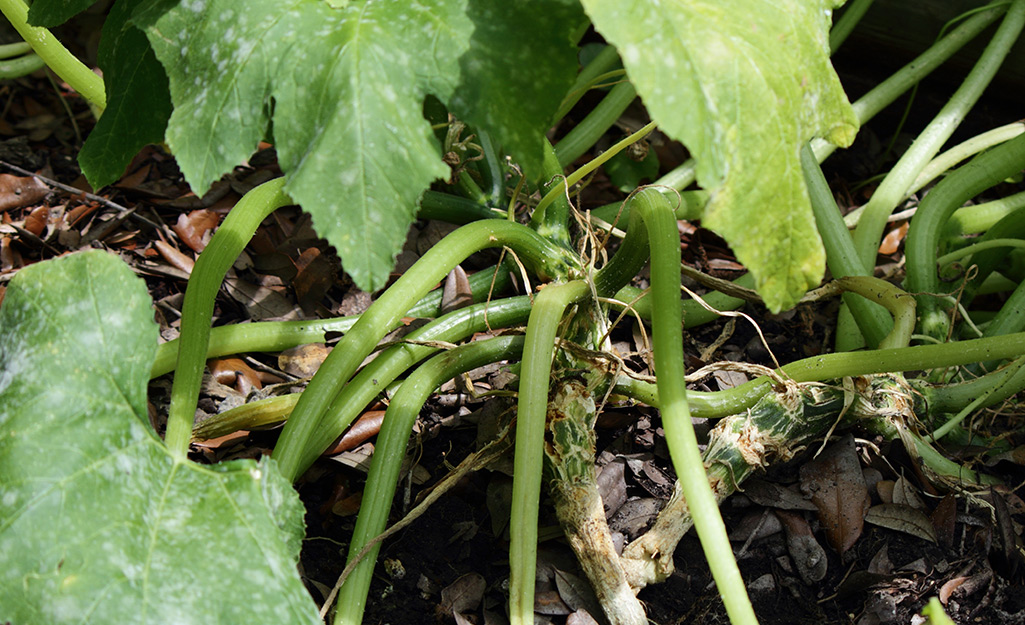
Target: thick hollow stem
[
  {"x": 586, "y": 79},
  {"x": 832, "y": 366},
  {"x": 981, "y": 217},
  {"x": 551, "y": 219},
  {"x": 927, "y": 144},
  {"x": 20, "y": 66},
  {"x": 389, "y": 452},
  {"x": 385, "y": 315},
  {"x": 963, "y": 151},
  {"x": 275, "y": 336},
  {"x": 492, "y": 169},
  {"x": 900, "y": 304},
  {"x": 927, "y": 225},
  {"x": 569, "y": 447},
  {"x": 835, "y": 366},
  {"x": 198, "y": 307},
  {"x": 987, "y": 261},
  {"x": 845, "y": 24},
  {"x": 373, "y": 378},
  {"x": 591, "y": 128},
  {"x": 995, "y": 386},
  {"x": 376, "y": 375},
  {"x": 867, "y": 106},
  {"x": 55, "y": 55},
  {"x": 1009, "y": 374},
  {"x": 667, "y": 342},
  {"x": 531, "y": 408},
  {"x": 841, "y": 255},
  {"x": 454, "y": 209},
  {"x": 561, "y": 188}
]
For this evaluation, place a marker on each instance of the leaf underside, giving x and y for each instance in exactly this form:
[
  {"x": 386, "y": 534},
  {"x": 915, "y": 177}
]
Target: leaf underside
[
  {"x": 743, "y": 85},
  {"x": 98, "y": 523}
]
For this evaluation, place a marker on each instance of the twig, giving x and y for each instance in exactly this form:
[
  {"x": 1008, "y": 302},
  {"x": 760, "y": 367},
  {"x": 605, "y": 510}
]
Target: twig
[{"x": 72, "y": 190}]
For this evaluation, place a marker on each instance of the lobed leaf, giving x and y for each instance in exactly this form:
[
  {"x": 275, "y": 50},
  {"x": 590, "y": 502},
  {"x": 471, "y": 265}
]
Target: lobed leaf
[
  {"x": 342, "y": 85},
  {"x": 98, "y": 523},
  {"x": 743, "y": 84}
]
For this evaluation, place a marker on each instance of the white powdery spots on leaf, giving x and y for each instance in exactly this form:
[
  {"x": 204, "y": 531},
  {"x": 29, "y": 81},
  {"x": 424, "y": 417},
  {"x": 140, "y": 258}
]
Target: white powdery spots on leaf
[{"x": 348, "y": 176}]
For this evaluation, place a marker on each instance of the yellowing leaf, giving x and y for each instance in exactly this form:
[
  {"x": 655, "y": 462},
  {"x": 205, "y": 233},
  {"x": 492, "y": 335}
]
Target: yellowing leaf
[{"x": 743, "y": 84}]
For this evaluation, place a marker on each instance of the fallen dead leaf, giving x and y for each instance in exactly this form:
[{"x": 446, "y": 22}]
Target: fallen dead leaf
[
  {"x": 135, "y": 179},
  {"x": 611, "y": 484},
  {"x": 304, "y": 360},
  {"x": 880, "y": 563},
  {"x": 461, "y": 596},
  {"x": 807, "y": 554},
  {"x": 174, "y": 258},
  {"x": 755, "y": 525},
  {"x": 902, "y": 518},
  {"x": 905, "y": 493},
  {"x": 1007, "y": 555},
  {"x": 456, "y": 293},
  {"x": 836, "y": 485},
  {"x": 10, "y": 259},
  {"x": 37, "y": 220},
  {"x": 260, "y": 302},
  {"x": 75, "y": 216},
  {"x": 772, "y": 495},
  {"x": 217, "y": 191},
  {"x": 948, "y": 588},
  {"x": 234, "y": 372},
  {"x": 314, "y": 278},
  {"x": 635, "y": 516},
  {"x": 885, "y": 490},
  {"x": 193, "y": 227},
  {"x": 891, "y": 242},
  {"x": 576, "y": 592},
  {"x": 223, "y": 441},
  {"x": 581, "y": 617},
  {"x": 348, "y": 506},
  {"x": 369, "y": 424},
  {"x": 549, "y": 602},
  {"x": 943, "y": 519},
  {"x": 18, "y": 191}
]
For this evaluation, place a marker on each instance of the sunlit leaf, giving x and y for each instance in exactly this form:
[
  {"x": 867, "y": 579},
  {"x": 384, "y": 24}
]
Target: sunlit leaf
[
  {"x": 341, "y": 88},
  {"x": 98, "y": 522},
  {"x": 743, "y": 84}
]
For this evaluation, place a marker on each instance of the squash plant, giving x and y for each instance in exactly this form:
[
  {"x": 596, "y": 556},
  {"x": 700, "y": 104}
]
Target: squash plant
[{"x": 345, "y": 90}]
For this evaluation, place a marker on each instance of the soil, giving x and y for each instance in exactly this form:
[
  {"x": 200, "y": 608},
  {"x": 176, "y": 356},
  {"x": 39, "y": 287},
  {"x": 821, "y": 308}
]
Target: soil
[{"x": 885, "y": 577}]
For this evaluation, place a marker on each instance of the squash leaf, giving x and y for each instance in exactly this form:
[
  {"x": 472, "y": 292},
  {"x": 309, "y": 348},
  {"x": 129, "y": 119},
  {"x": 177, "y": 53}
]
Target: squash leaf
[
  {"x": 743, "y": 84},
  {"x": 98, "y": 523},
  {"x": 339, "y": 87}
]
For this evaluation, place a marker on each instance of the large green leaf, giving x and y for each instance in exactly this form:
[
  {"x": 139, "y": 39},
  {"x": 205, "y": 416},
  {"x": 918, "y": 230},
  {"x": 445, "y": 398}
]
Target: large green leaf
[
  {"x": 743, "y": 84},
  {"x": 138, "y": 103},
  {"x": 521, "y": 61},
  {"x": 342, "y": 87},
  {"x": 98, "y": 523}
]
